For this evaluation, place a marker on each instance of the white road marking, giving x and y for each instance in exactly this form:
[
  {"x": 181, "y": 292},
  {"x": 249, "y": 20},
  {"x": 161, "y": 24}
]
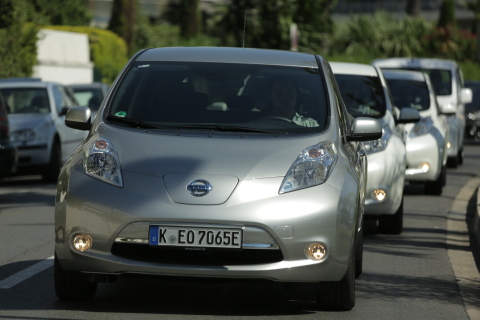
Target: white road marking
[{"x": 23, "y": 275}]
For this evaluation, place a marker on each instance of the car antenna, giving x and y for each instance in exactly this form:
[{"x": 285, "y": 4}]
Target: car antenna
[{"x": 244, "y": 26}]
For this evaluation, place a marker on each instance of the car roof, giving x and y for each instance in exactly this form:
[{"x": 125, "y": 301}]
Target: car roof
[
  {"x": 14, "y": 83},
  {"x": 424, "y": 63},
  {"x": 404, "y": 75},
  {"x": 354, "y": 69},
  {"x": 88, "y": 85},
  {"x": 229, "y": 55}
]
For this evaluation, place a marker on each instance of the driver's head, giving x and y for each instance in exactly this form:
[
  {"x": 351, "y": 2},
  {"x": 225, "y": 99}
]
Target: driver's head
[{"x": 283, "y": 95}]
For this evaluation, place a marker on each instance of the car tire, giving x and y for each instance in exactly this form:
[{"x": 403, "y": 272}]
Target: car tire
[
  {"x": 392, "y": 224},
  {"x": 460, "y": 156},
  {"x": 52, "y": 171},
  {"x": 436, "y": 187},
  {"x": 339, "y": 296},
  {"x": 452, "y": 162},
  {"x": 69, "y": 285},
  {"x": 359, "y": 254}
]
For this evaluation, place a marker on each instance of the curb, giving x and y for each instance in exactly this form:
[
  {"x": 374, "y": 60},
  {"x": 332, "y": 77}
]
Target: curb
[{"x": 476, "y": 219}]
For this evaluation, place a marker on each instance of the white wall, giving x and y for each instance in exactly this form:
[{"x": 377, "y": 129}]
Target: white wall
[{"x": 63, "y": 57}]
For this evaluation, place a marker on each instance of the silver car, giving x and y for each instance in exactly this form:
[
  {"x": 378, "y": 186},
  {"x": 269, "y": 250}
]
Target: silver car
[
  {"x": 216, "y": 163},
  {"x": 36, "y": 112},
  {"x": 447, "y": 81},
  {"x": 427, "y": 139},
  {"x": 365, "y": 93}
]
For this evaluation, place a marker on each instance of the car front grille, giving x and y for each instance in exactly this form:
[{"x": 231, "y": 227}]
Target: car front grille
[{"x": 147, "y": 253}]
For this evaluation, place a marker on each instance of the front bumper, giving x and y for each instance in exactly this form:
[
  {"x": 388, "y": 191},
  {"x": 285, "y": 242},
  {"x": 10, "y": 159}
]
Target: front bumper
[
  {"x": 33, "y": 155},
  {"x": 115, "y": 217},
  {"x": 386, "y": 171},
  {"x": 424, "y": 149}
]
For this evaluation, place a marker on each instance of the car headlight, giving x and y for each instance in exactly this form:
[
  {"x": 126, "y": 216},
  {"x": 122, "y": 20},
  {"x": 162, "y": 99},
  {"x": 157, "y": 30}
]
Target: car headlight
[
  {"x": 101, "y": 161},
  {"x": 22, "y": 135},
  {"x": 422, "y": 127},
  {"x": 312, "y": 167},
  {"x": 380, "y": 144}
]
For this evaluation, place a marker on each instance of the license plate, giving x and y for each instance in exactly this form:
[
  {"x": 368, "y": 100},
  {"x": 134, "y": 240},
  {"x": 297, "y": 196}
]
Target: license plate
[{"x": 196, "y": 237}]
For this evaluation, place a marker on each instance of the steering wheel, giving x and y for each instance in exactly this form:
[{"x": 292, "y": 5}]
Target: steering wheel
[{"x": 278, "y": 118}]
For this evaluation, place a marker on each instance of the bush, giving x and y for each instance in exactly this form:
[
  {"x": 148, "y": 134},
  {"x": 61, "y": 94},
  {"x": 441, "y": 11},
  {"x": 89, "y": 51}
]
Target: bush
[{"x": 107, "y": 50}]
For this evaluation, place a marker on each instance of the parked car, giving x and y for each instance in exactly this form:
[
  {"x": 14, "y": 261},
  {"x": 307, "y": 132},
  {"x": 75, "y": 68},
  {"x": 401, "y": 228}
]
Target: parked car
[
  {"x": 8, "y": 152},
  {"x": 472, "y": 112},
  {"x": 365, "y": 94},
  {"x": 216, "y": 163},
  {"x": 427, "y": 139},
  {"x": 90, "y": 94},
  {"x": 447, "y": 81},
  {"x": 36, "y": 112}
]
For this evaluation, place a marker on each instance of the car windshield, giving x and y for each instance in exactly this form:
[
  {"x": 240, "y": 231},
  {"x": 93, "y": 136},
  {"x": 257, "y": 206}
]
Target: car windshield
[
  {"x": 409, "y": 93},
  {"x": 228, "y": 97},
  {"x": 363, "y": 95},
  {"x": 441, "y": 79},
  {"x": 91, "y": 97},
  {"x": 473, "y": 106},
  {"x": 26, "y": 100}
]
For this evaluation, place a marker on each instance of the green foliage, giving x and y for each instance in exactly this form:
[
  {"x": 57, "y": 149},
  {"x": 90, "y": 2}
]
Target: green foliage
[
  {"x": 62, "y": 12},
  {"x": 381, "y": 35},
  {"x": 447, "y": 13},
  {"x": 189, "y": 18},
  {"x": 450, "y": 42},
  {"x": 107, "y": 50},
  {"x": 314, "y": 24},
  {"x": 470, "y": 70},
  {"x": 18, "y": 40},
  {"x": 166, "y": 35}
]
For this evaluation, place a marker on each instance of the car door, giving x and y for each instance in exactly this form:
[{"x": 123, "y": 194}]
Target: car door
[{"x": 69, "y": 138}]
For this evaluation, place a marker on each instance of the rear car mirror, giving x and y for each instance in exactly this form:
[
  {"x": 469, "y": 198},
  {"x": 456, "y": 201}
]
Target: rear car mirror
[
  {"x": 466, "y": 95},
  {"x": 79, "y": 117},
  {"x": 365, "y": 129},
  {"x": 409, "y": 115},
  {"x": 448, "y": 109}
]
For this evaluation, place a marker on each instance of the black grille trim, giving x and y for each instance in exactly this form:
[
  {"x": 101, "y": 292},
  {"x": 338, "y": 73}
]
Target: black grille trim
[{"x": 212, "y": 257}]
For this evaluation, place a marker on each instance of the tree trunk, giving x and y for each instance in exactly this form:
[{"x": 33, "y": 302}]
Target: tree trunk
[{"x": 413, "y": 8}]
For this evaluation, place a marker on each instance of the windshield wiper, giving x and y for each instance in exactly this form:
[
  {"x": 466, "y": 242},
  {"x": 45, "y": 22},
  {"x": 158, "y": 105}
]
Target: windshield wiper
[
  {"x": 223, "y": 128},
  {"x": 134, "y": 123}
]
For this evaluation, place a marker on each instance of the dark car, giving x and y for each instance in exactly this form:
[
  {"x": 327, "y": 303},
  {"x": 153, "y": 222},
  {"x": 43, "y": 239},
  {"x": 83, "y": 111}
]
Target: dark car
[
  {"x": 8, "y": 152},
  {"x": 472, "y": 112},
  {"x": 90, "y": 94}
]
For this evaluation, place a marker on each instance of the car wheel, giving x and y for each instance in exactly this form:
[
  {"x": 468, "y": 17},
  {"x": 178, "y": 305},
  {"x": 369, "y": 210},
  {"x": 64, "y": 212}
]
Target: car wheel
[
  {"x": 436, "y": 187},
  {"x": 452, "y": 162},
  {"x": 339, "y": 295},
  {"x": 359, "y": 254},
  {"x": 460, "y": 156},
  {"x": 69, "y": 285},
  {"x": 53, "y": 168},
  {"x": 392, "y": 224}
]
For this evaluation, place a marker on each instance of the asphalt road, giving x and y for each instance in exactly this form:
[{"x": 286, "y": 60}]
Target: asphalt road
[{"x": 430, "y": 271}]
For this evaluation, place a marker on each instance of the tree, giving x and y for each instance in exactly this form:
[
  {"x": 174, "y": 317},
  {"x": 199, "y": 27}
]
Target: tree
[
  {"x": 18, "y": 40},
  {"x": 189, "y": 18},
  {"x": 123, "y": 21},
  {"x": 447, "y": 14},
  {"x": 413, "y": 8},
  {"x": 62, "y": 12}
]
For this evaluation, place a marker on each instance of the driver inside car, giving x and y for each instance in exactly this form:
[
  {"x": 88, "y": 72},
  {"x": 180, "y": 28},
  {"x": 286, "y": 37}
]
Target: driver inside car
[{"x": 284, "y": 98}]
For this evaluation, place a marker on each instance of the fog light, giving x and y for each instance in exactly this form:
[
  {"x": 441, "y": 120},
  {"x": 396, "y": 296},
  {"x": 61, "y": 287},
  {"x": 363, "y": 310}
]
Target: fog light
[
  {"x": 449, "y": 145},
  {"x": 425, "y": 166},
  {"x": 82, "y": 242},
  {"x": 316, "y": 251},
  {"x": 379, "y": 194}
]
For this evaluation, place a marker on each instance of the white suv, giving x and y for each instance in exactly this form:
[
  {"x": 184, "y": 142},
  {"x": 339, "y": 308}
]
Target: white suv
[
  {"x": 447, "y": 80},
  {"x": 36, "y": 112}
]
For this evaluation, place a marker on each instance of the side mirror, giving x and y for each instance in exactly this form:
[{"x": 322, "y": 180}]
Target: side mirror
[
  {"x": 448, "y": 109},
  {"x": 79, "y": 117},
  {"x": 365, "y": 129},
  {"x": 408, "y": 115},
  {"x": 466, "y": 95}
]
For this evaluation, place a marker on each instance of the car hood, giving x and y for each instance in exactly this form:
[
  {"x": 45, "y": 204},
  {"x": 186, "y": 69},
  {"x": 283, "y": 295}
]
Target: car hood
[
  {"x": 222, "y": 160},
  {"x": 26, "y": 121}
]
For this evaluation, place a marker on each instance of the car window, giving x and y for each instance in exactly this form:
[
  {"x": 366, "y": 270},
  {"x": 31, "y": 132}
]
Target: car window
[
  {"x": 91, "y": 97},
  {"x": 409, "y": 93},
  {"x": 475, "y": 104},
  {"x": 441, "y": 79},
  {"x": 26, "y": 100},
  {"x": 363, "y": 95},
  {"x": 252, "y": 96}
]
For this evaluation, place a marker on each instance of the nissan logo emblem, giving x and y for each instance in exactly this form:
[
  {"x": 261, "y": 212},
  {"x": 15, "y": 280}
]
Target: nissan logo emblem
[{"x": 199, "y": 188}]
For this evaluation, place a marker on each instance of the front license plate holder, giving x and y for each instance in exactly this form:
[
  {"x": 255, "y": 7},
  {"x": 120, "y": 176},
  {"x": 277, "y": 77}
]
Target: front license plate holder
[{"x": 178, "y": 236}]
